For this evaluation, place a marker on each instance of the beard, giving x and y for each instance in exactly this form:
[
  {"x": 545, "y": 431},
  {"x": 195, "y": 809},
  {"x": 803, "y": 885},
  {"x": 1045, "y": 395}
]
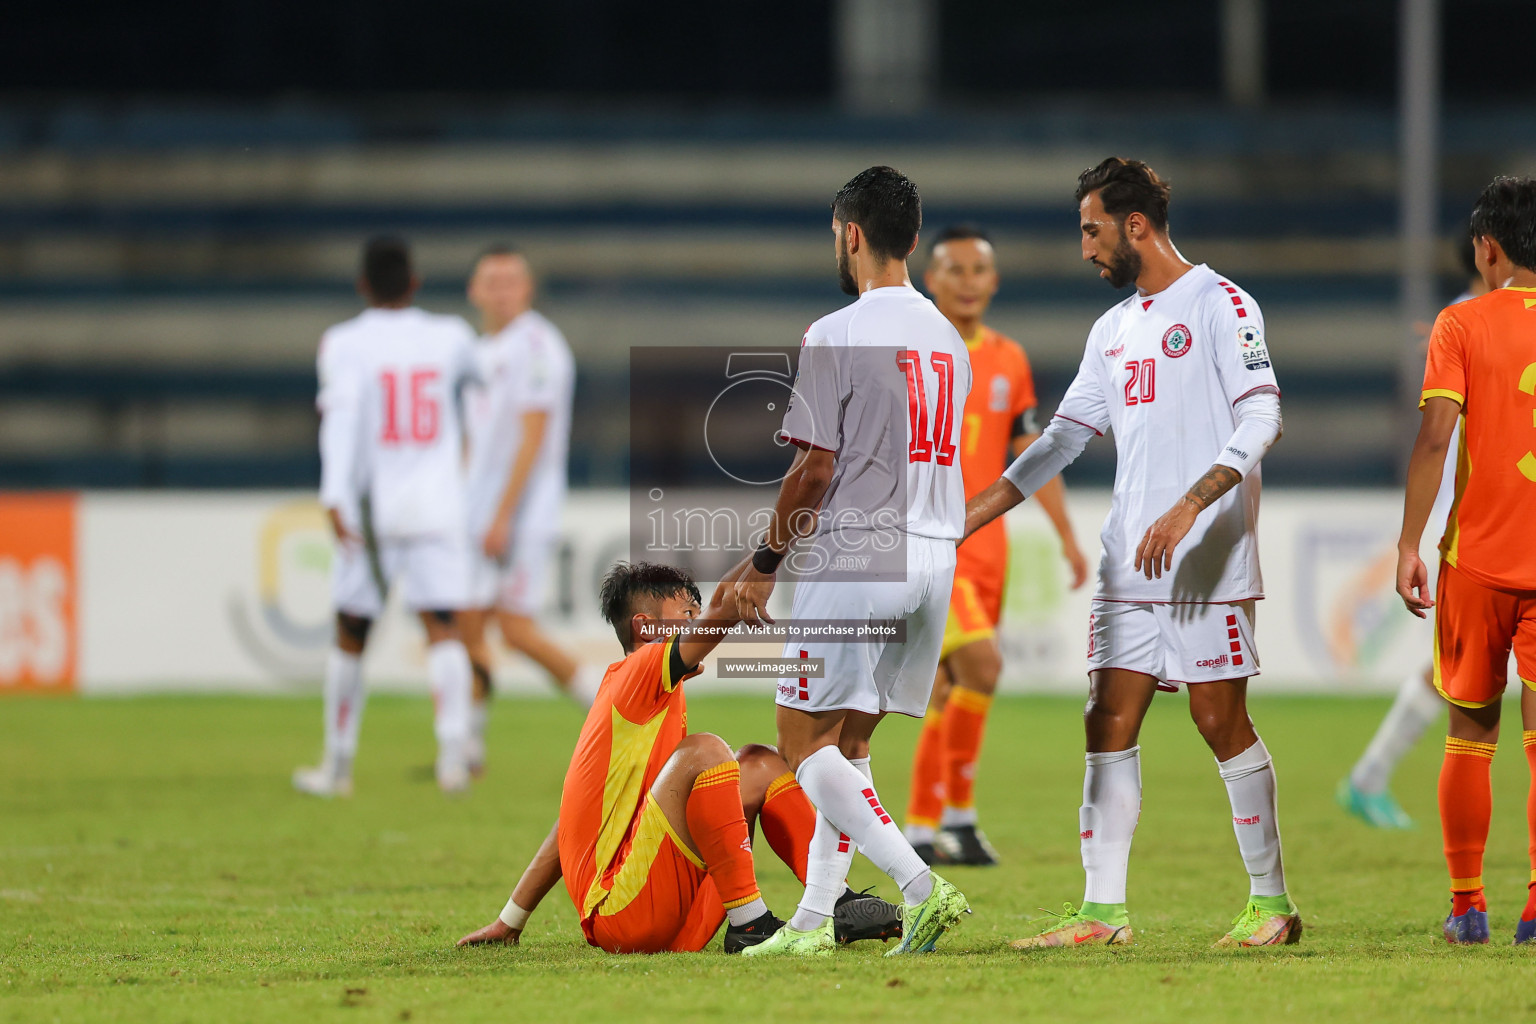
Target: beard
[
  {"x": 845, "y": 279},
  {"x": 1124, "y": 266}
]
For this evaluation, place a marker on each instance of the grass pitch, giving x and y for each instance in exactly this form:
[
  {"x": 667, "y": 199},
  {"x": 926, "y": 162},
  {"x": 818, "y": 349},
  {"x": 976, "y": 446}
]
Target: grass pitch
[{"x": 155, "y": 865}]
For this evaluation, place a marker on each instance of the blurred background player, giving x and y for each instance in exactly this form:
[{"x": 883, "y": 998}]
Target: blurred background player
[
  {"x": 849, "y": 399},
  {"x": 519, "y": 425},
  {"x": 654, "y": 835},
  {"x": 1000, "y": 422},
  {"x": 392, "y": 484},
  {"x": 1181, "y": 372},
  {"x": 1366, "y": 792},
  {"x": 1481, "y": 370}
]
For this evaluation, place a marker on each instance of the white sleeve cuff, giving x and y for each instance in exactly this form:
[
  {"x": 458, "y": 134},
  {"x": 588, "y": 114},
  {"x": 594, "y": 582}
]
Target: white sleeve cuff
[
  {"x": 1062, "y": 441},
  {"x": 1258, "y": 428}
]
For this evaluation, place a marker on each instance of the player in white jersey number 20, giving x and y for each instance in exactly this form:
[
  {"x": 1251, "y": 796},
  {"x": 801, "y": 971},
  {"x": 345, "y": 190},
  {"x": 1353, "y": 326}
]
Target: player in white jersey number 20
[
  {"x": 392, "y": 483},
  {"x": 1181, "y": 372},
  {"x": 876, "y": 418}
]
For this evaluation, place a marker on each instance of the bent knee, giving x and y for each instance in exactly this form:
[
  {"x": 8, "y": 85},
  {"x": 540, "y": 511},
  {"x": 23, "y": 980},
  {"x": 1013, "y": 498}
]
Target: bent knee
[
  {"x": 705, "y": 748},
  {"x": 758, "y": 753}
]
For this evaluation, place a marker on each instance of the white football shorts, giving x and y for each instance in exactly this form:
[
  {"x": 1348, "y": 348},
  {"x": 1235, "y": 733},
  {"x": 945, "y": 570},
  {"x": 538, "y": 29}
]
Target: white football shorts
[
  {"x": 519, "y": 585},
  {"x": 1176, "y": 643},
  {"x": 881, "y": 675},
  {"x": 434, "y": 571}
]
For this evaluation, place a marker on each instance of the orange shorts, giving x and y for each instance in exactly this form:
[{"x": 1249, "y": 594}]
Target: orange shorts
[
  {"x": 1475, "y": 628},
  {"x": 983, "y": 559},
  {"x": 972, "y": 616},
  {"x": 662, "y": 900}
]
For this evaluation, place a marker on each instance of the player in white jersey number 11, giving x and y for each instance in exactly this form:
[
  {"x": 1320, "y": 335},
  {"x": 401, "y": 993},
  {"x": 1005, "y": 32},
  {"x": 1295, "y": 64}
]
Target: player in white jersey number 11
[
  {"x": 1181, "y": 372},
  {"x": 887, "y": 367}
]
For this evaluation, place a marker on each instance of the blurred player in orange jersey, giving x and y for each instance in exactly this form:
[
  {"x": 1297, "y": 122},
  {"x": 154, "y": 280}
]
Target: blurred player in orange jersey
[
  {"x": 1481, "y": 370},
  {"x": 654, "y": 835},
  {"x": 1000, "y": 422}
]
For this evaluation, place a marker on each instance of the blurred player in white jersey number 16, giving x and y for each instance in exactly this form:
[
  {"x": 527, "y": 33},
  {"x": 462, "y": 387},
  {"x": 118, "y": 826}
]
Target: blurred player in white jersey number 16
[
  {"x": 1181, "y": 372},
  {"x": 519, "y": 425},
  {"x": 876, "y": 417},
  {"x": 392, "y": 483}
]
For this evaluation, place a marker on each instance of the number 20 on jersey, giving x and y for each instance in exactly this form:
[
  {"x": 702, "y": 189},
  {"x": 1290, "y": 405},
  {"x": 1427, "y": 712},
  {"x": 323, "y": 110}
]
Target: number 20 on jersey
[{"x": 1140, "y": 381}]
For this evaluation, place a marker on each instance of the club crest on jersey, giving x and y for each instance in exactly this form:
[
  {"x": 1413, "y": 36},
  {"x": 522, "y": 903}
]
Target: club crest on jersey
[
  {"x": 1176, "y": 341},
  {"x": 999, "y": 398}
]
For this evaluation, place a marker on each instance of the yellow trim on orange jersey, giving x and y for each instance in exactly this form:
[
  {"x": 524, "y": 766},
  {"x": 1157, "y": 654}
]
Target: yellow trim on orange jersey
[
  {"x": 1454, "y": 396},
  {"x": 1450, "y": 543},
  {"x": 636, "y": 869},
  {"x": 628, "y": 754}
]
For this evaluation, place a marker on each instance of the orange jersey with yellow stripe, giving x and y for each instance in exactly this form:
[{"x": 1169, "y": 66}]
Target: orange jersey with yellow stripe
[
  {"x": 635, "y": 724},
  {"x": 1002, "y": 389},
  {"x": 1482, "y": 354}
]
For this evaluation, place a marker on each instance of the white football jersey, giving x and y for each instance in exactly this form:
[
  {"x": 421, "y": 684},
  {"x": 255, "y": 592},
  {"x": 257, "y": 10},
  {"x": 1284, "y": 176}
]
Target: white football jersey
[
  {"x": 526, "y": 367},
  {"x": 391, "y": 429},
  {"x": 882, "y": 382},
  {"x": 1164, "y": 372}
]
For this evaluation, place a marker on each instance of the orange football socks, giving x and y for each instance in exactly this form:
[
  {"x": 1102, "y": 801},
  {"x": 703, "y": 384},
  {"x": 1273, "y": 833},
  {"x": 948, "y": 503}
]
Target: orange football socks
[
  {"x": 965, "y": 719},
  {"x": 926, "y": 800},
  {"x": 789, "y": 821},
  {"x": 1466, "y": 804},
  {"x": 719, "y": 830}
]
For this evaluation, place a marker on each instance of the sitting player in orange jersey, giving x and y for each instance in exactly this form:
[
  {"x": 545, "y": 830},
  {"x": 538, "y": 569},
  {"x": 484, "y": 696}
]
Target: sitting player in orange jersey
[
  {"x": 654, "y": 838},
  {"x": 999, "y": 424}
]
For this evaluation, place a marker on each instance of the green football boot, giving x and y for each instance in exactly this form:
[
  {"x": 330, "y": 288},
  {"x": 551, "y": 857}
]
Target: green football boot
[
  {"x": 923, "y": 924},
  {"x": 1265, "y": 921},
  {"x": 1379, "y": 810},
  {"x": 788, "y": 942}
]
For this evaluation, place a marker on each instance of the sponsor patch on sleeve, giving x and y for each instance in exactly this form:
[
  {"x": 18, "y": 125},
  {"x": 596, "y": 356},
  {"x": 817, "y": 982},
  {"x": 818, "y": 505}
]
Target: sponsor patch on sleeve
[{"x": 1250, "y": 341}]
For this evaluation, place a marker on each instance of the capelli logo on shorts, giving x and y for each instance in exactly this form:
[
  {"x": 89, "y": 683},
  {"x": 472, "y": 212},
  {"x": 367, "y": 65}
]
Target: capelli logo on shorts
[
  {"x": 1246, "y": 821},
  {"x": 1220, "y": 662},
  {"x": 787, "y": 691}
]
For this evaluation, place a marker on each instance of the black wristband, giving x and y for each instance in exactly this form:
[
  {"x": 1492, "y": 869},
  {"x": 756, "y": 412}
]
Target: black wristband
[{"x": 766, "y": 560}]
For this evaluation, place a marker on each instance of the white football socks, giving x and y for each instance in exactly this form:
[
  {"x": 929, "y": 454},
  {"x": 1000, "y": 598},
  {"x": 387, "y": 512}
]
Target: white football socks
[
  {"x": 826, "y": 868},
  {"x": 1416, "y": 707},
  {"x": 345, "y": 697},
  {"x": 747, "y": 912},
  {"x": 957, "y": 817},
  {"x": 1107, "y": 821},
  {"x": 847, "y": 799},
  {"x": 452, "y": 680},
  {"x": 1250, "y": 779}
]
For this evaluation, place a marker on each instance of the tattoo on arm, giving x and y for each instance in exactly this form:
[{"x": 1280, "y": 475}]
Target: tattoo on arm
[{"x": 1217, "y": 481}]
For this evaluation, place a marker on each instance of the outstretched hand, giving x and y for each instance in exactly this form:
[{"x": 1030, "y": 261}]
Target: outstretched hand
[
  {"x": 753, "y": 589},
  {"x": 498, "y": 931},
  {"x": 1154, "y": 554},
  {"x": 1413, "y": 583}
]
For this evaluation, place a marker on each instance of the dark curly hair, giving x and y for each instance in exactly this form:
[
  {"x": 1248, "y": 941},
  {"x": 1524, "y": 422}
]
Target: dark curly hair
[
  {"x": 629, "y": 584},
  {"x": 1126, "y": 187}
]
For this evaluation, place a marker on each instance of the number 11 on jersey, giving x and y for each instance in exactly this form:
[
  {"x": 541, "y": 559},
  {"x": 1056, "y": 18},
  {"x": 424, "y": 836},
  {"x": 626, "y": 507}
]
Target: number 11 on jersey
[{"x": 924, "y": 447}]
